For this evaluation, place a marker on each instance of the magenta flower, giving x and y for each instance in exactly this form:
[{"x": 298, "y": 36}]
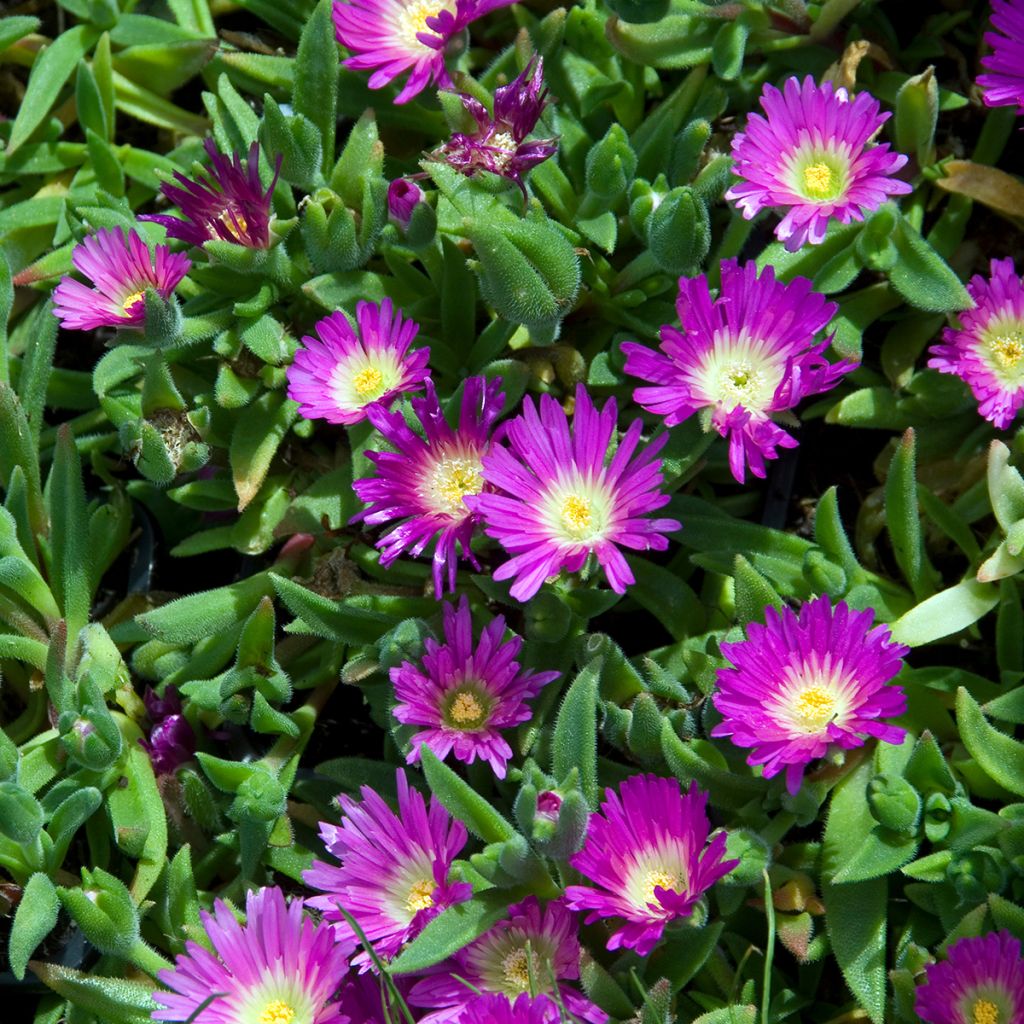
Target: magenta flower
[
  {"x": 338, "y": 374},
  {"x": 532, "y": 951},
  {"x": 648, "y": 855},
  {"x": 394, "y": 873},
  {"x": 987, "y": 349},
  {"x": 748, "y": 356},
  {"x": 981, "y": 981},
  {"x": 1003, "y": 84},
  {"x": 466, "y": 695},
  {"x": 228, "y": 202},
  {"x": 558, "y": 501},
  {"x": 499, "y": 143},
  {"x": 171, "y": 741},
  {"x": 801, "y": 685},
  {"x": 121, "y": 269},
  {"x": 403, "y": 197},
  {"x": 811, "y": 155},
  {"x": 390, "y": 37},
  {"x": 420, "y": 485},
  {"x": 279, "y": 966},
  {"x": 495, "y": 1009}
]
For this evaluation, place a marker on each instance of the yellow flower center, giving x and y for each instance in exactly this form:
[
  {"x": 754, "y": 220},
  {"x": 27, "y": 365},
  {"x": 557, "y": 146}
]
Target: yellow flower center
[
  {"x": 452, "y": 480},
  {"x": 367, "y": 383},
  {"x": 517, "y": 968},
  {"x": 277, "y": 1012},
  {"x": 985, "y": 1012},
  {"x": 814, "y": 708},
  {"x": 130, "y": 300},
  {"x": 506, "y": 145},
  {"x": 421, "y": 895},
  {"x": 236, "y": 225},
  {"x": 466, "y": 709},
  {"x": 742, "y": 384},
  {"x": 412, "y": 20},
  {"x": 660, "y": 879},
  {"x": 577, "y": 515},
  {"x": 1008, "y": 350},
  {"x": 819, "y": 181}
]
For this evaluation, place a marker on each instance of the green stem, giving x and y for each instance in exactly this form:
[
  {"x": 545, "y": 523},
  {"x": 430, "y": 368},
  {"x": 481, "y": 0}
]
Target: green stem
[{"x": 769, "y": 952}]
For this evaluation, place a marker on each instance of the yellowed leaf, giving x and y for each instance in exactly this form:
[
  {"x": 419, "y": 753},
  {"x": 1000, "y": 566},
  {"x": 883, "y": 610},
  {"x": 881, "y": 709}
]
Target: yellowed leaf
[{"x": 990, "y": 186}]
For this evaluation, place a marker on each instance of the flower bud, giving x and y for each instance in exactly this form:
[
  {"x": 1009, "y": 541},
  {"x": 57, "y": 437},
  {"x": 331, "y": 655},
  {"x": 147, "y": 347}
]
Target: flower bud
[
  {"x": 403, "y": 197},
  {"x": 103, "y": 908},
  {"x": 894, "y": 804}
]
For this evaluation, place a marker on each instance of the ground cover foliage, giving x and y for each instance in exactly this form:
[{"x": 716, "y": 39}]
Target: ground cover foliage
[{"x": 518, "y": 505}]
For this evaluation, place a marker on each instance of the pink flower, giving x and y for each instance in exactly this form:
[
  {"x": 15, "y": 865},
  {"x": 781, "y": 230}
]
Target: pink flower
[
  {"x": 647, "y": 852},
  {"x": 121, "y": 269},
  {"x": 987, "y": 349},
  {"x": 558, "y": 498},
  {"x": 337, "y": 375},
  {"x": 465, "y": 694},
  {"x": 1003, "y": 82},
  {"x": 811, "y": 157},
  {"x": 800, "y": 685}
]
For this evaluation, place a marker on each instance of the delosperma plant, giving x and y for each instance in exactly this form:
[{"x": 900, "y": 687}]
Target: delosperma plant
[{"x": 511, "y": 513}]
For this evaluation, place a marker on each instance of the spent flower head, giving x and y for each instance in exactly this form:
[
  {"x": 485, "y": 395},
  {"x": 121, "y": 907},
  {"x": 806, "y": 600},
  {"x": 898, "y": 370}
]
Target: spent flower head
[
  {"x": 981, "y": 981},
  {"x": 811, "y": 157},
  {"x": 802, "y": 684},
  {"x": 648, "y": 855},
  {"x": 280, "y": 966},
  {"x": 121, "y": 270},
  {"x": 466, "y": 693},
  {"x": 499, "y": 143},
  {"x": 747, "y": 356},
  {"x": 391, "y": 37},
  {"x": 558, "y": 498},
  {"x": 394, "y": 873},
  {"x": 1003, "y": 82},
  {"x": 171, "y": 741},
  {"x": 228, "y": 202},
  {"x": 420, "y": 485},
  {"x": 338, "y": 374},
  {"x": 986, "y": 350}
]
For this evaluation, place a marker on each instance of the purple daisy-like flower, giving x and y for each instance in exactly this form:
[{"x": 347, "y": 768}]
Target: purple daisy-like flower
[
  {"x": 338, "y": 374},
  {"x": 557, "y": 500},
  {"x": 801, "y": 685},
  {"x": 987, "y": 349},
  {"x": 229, "y": 202},
  {"x": 496, "y": 1009},
  {"x": 811, "y": 154},
  {"x": 121, "y": 270},
  {"x": 465, "y": 694},
  {"x": 390, "y": 37},
  {"x": 533, "y": 951},
  {"x": 394, "y": 872},
  {"x": 981, "y": 981},
  {"x": 748, "y": 356},
  {"x": 171, "y": 741},
  {"x": 279, "y": 966},
  {"x": 420, "y": 485},
  {"x": 499, "y": 143},
  {"x": 1003, "y": 83},
  {"x": 647, "y": 852}
]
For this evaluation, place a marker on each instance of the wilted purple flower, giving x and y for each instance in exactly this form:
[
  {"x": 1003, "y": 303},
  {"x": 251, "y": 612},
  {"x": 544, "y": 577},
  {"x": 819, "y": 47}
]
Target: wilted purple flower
[
  {"x": 465, "y": 694},
  {"x": 171, "y": 740},
  {"x": 987, "y": 349},
  {"x": 556, "y": 501},
  {"x": 338, "y": 374},
  {"x": 648, "y": 854},
  {"x": 549, "y": 803},
  {"x": 403, "y": 197},
  {"x": 981, "y": 981},
  {"x": 390, "y": 37},
  {"x": 278, "y": 967},
  {"x": 802, "y": 684},
  {"x": 420, "y": 485},
  {"x": 811, "y": 156},
  {"x": 748, "y": 356},
  {"x": 1003, "y": 84},
  {"x": 493, "y": 1009},
  {"x": 228, "y": 203},
  {"x": 394, "y": 873},
  {"x": 533, "y": 951},
  {"x": 121, "y": 269},
  {"x": 499, "y": 143}
]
